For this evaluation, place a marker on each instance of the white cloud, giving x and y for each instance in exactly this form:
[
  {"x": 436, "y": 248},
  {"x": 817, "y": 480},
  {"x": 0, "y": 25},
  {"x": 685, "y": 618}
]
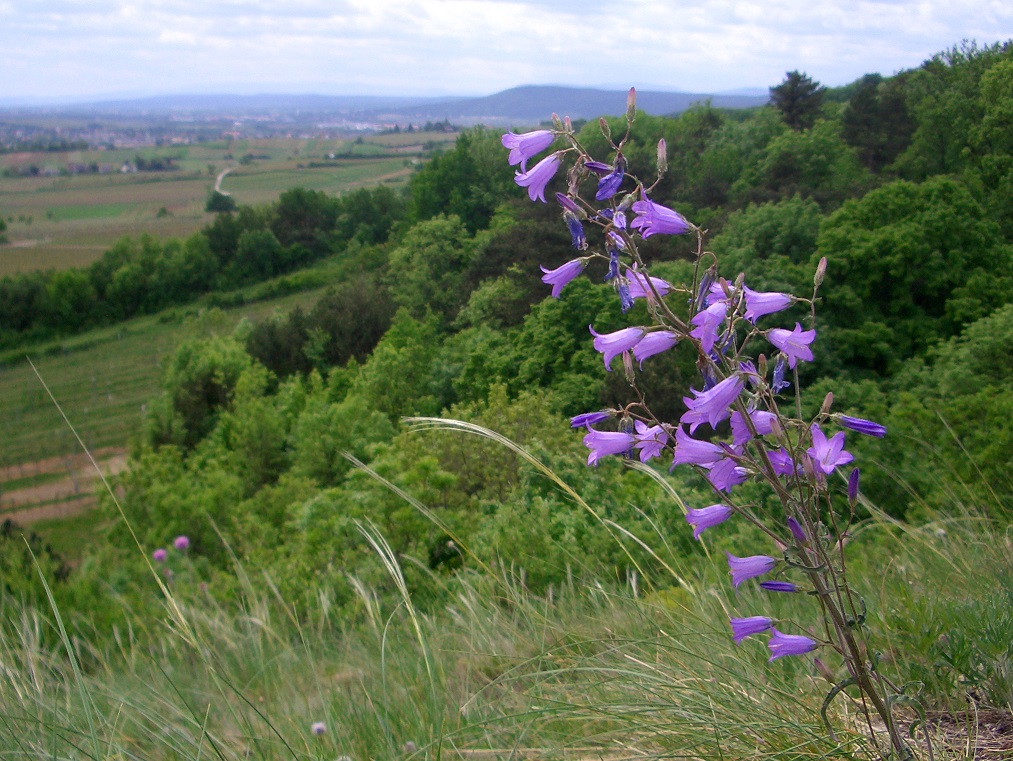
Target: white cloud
[{"x": 470, "y": 46}]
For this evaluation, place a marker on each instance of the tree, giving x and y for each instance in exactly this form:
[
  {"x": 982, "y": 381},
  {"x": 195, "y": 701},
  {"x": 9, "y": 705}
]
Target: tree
[
  {"x": 799, "y": 99},
  {"x": 219, "y": 202},
  {"x": 876, "y": 121}
]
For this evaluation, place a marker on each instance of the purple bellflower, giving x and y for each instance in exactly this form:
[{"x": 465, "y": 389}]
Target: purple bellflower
[
  {"x": 777, "y": 381},
  {"x": 778, "y": 586},
  {"x": 794, "y": 344},
  {"x": 712, "y": 406},
  {"x": 577, "y": 237},
  {"x": 181, "y": 543},
  {"x": 708, "y": 325},
  {"x": 567, "y": 203},
  {"x": 538, "y": 177},
  {"x": 613, "y": 344},
  {"x": 562, "y": 275},
  {"x": 747, "y": 568},
  {"x": 640, "y": 289},
  {"x": 782, "y": 644},
  {"x": 655, "y": 219},
  {"x": 654, "y": 343},
  {"x": 747, "y": 627},
  {"x": 796, "y": 531},
  {"x": 160, "y": 555},
  {"x": 860, "y": 425},
  {"x": 827, "y": 454},
  {"x": 589, "y": 418},
  {"x": 524, "y": 146},
  {"x": 608, "y": 185},
  {"x": 725, "y": 474},
  {"x": 690, "y": 451},
  {"x": 759, "y": 303},
  {"x": 704, "y": 518},
  {"x": 763, "y": 422},
  {"x": 853, "y": 480},
  {"x": 625, "y": 299},
  {"x": 598, "y": 167},
  {"x": 605, "y": 443},
  {"x": 650, "y": 440},
  {"x": 784, "y": 464}
]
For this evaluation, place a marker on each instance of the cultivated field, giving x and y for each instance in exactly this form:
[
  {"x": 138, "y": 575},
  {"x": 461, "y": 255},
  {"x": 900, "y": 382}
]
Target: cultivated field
[{"x": 56, "y": 219}]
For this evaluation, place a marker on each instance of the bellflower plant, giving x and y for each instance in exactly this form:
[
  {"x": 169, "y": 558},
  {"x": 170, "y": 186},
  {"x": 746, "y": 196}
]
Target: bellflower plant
[{"x": 744, "y": 380}]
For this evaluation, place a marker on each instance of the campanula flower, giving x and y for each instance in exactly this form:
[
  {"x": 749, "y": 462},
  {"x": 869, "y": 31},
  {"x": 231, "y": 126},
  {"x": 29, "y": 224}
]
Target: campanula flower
[
  {"x": 655, "y": 219},
  {"x": 747, "y": 568},
  {"x": 859, "y": 425},
  {"x": 853, "y": 480},
  {"x": 181, "y": 543},
  {"x": 778, "y": 586},
  {"x": 725, "y": 474},
  {"x": 794, "y": 344},
  {"x": 712, "y": 406},
  {"x": 538, "y": 177},
  {"x": 589, "y": 418},
  {"x": 613, "y": 344},
  {"x": 605, "y": 443},
  {"x": 784, "y": 464},
  {"x": 567, "y": 203},
  {"x": 690, "y": 451},
  {"x": 524, "y": 146},
  {"x": 782, "y": 644},
  {"x": 559, "y": 277},
  {"x": 608, "y": 185},
  {"x": 708, "y": 325},
  {"x": 160, "y": 555},
  {"x": 827, "y": 454},
  {"x": 577, "y": 237},
  {"x": 759, "y": 303},
  {"x": 777, "y": 381},
  {"x": 763, "y": 422},
  {"x": 747, "y": 627},
  {"x": 654, "y": 343},
  {"x": 704, "y": 518},
  {"x": 796, "y": 531},
  {"x": 640, "y": 286},
  {"x": 650, "y": 440}
]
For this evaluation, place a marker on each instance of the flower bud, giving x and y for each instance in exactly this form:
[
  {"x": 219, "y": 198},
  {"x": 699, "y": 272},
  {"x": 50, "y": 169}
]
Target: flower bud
[
  {"x": 824, "y": 670},
  {"x": 567, "y": 125},
  {"x": 662, "y": 156},
  {"x": 821, "y": 271},
  {"x": 628, "y": 367},
  {"x": 853, "y": 487},
  {"x": 828, "y": 402},
  {"x": 761, "y": 363},
  {"x": 631, "y": 104},
  {"x": 605, "y": 130},
  {"x": 556, "y": 121}
]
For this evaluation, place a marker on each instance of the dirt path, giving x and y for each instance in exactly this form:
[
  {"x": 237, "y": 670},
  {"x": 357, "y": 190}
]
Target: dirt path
[{"x": 218, "y": 182}]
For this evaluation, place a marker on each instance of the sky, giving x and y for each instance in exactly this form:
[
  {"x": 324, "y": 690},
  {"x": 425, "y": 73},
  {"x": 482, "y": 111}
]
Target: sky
[{"x": 79, "y": 49}]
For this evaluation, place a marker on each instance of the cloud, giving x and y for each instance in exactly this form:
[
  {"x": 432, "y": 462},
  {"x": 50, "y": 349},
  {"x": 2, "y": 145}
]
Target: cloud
[{"x": 470, "y": 46}]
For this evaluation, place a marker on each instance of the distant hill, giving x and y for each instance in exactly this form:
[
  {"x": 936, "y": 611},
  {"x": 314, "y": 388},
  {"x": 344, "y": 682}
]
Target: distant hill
[
  {"x": 532, "y": 104},
  {"x": 518, "y": 106}
]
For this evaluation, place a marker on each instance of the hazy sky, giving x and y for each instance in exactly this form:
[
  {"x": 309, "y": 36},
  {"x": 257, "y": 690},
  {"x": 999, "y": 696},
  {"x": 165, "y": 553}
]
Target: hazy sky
[{"x": 78, "y": 48}]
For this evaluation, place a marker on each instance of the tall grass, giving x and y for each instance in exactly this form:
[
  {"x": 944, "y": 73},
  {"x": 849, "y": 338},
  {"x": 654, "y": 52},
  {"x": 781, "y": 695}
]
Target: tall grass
[{"x": 585, "y": 671}]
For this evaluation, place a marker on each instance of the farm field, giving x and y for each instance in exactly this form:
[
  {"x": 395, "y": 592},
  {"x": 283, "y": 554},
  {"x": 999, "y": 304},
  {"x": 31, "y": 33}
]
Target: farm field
[
  {"x": 102, "y": 379},
  {"x": 58, "y": 220}
]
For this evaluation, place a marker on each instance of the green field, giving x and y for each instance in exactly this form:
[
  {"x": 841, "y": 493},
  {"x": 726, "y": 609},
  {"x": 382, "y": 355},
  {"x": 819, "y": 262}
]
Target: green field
[
  {"x": 69, "y": 220},
  {"x": 102, "y": 379}
]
